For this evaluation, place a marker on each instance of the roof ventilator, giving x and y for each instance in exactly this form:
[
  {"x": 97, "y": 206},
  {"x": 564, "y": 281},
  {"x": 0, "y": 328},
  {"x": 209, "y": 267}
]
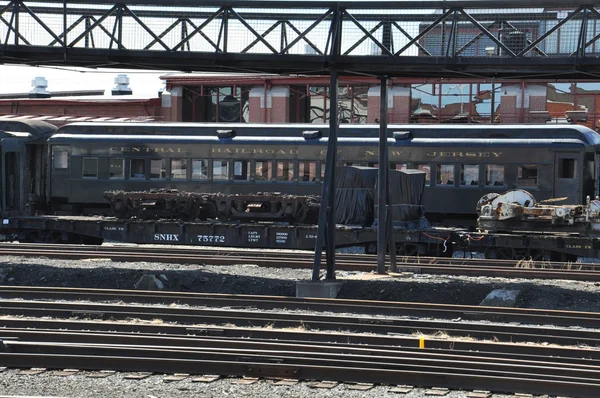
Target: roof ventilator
[
  {"x": 402, "y": 135},
  {"x": 225, "y": 133},
  {"x": 311, "y": 134}
]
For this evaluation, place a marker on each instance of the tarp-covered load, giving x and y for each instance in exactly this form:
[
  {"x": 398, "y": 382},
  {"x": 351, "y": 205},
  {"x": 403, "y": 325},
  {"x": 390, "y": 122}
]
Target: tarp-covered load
[
  {"x": 406, "y": 194},
  {"x": 355, "y": 195}
]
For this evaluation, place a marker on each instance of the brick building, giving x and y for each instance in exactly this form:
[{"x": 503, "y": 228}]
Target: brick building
[{"x": 264, "y": 98}]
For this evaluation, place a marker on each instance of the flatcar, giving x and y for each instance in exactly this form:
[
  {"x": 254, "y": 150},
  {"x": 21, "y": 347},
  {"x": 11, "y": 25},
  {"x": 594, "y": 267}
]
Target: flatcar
[
  {"x": 462, "y": 162},
  {"x": 67, "y": 171}
]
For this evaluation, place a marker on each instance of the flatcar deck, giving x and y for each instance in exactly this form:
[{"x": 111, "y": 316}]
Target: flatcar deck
[{"x": 430, "y": 241}]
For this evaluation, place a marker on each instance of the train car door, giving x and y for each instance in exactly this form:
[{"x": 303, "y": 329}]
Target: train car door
[
  {"x": 568, "y": 177},
  {"x": 13, "y": 173},
  {"x": 59, "y": 172}
]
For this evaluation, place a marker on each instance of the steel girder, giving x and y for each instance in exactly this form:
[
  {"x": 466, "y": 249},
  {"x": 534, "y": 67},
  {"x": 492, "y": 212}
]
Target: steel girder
[{"x": 557, "y": 39}]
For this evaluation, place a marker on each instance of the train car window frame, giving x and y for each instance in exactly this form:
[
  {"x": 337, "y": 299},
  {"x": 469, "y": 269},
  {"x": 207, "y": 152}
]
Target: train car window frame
[
  {"x": 203, "y": 170},
  {"x": 269, "y": 170},
  {"x": 567, "y": 168},
  {"x": 491, "y": 181},
  {"x": 183, "y": 171},
  {"x": 425, "y": 167},
  {"x": 473, "y": 183},
  {"x": 521, "y": 179},
  {"x": 110, "y": 168},
  {"x": 290, "y": 172},
  {"x": 89, "y": 174},
  {"x": 60, "y": 158},
  {"x": 222, "y": 176},
  {"x": 302, "y": 174},
  {"x": 239, "y": 174},
  {"x": 439, "y": 181},
  {"x": 140, "y": 174},
  {"x": 162, "y": 174}
]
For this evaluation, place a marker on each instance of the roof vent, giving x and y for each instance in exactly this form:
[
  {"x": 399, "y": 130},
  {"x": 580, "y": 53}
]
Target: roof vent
[
  {"x": 39, "y": 90},
  {"x": 402, "y": 135},
  {"x": 121, "y": 86},
  {"x": 311, "y": 134},
  {"x": 225, "y": 133}
]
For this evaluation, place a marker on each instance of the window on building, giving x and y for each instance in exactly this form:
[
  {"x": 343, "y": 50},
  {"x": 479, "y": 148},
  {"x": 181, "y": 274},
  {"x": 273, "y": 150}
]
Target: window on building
[
  {"x": 137, "y": 169},
  {"x": 528, "y": 175},
  {"x": 60, "y": 158},
  {"x": 178, "y": 169},
  {"x": 116, "y": 168},
  {"x": 494, "y": 175},
  {"x": 241, "y": 170},
  {"x": 158, "y": 168},
  {"x": 89, "y": 167},
  {"x": 199, "y": 169},
  {"x": 322, "y": 171},
  {"x": 220, "y": 170},
  {"x": 262, "y": 170},
  {"x": 399, "y": 166},
  {"x": 469, "y": 175},
  {"x": 445, "y": 174},
  {"x": 566, "y": 168},
  {"x": 285, "y": 170},
  {"x": 373, "y": 164},
  {"x": 307, "y": 171}
]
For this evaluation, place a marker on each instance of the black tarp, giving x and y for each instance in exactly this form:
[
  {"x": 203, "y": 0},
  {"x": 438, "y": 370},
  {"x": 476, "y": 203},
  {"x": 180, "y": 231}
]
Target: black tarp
[
  {"x": 355, "y": 195},
  {"x": 406, "y": 195}
]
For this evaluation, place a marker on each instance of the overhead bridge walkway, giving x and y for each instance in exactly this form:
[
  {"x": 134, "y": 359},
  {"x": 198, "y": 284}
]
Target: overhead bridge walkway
[{"x": 506, "y": 38}]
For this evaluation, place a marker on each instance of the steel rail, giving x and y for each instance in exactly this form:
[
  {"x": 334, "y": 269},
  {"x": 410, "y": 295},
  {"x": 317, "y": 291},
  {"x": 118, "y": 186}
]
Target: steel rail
[
  {"x": 245, "y": 318},
  {"x": 282, "y": 262},
  {"x": 117, "y": 332},
  {"x": 389, "y": 308},
  {"x": 228, "y": 251},
  {"x": 456, "y": 371}
]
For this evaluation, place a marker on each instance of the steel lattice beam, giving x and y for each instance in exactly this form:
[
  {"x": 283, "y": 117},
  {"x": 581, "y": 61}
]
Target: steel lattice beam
[{"x": 433, "y": 39}]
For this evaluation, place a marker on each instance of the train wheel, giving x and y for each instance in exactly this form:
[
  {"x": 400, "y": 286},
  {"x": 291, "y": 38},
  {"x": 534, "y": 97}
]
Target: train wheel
[
  {"x": 407, "y": 249},
  {"x": 505, "y": 253},
  {"x": 119, "y": 205}
]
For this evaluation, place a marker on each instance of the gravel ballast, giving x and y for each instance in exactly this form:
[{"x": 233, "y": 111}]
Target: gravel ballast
[{"x": 249, "y": 279}]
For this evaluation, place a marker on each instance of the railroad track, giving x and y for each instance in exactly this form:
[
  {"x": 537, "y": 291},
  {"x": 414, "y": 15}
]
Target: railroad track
[
  {"x": 294, "y": 353},
  {"x": 367, "y": 263},
  {"x": 261, "y": 311}
]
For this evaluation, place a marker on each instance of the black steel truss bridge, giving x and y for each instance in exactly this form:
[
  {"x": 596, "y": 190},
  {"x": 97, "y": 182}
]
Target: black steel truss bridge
[{"x": 506, "y": 38}]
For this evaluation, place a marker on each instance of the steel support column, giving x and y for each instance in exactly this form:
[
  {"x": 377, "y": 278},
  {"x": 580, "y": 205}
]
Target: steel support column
[
  {"x": 382, "y": 182},
  {"x": 326, "y": 228}
]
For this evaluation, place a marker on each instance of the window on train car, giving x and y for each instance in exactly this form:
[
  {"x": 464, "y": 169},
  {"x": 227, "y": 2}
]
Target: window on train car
[
  {"x": 199, "y": 169},
  {"x": 469, "y": 175},
  {"x": 566, "y": 168},
  {"x": 494, "y": 175},
  {"x": 427, "y": 169},
  {"x": 241, "y": 170},
  {"x": 528, "y": 175},
  {"x": 116, "y": 168},
  {"x": 262, "y": 170},
  {"x": 307, "y": 171},
  {"x": 137, "y": 169},
  {"x": 60, "y": 158},
  {"x": 158, "y": 168},
  {"x": 220, "y": 170},
  {"x": 178, "y": 169},
  {"x": 89, "y": 167},
  {"x": 445, "y": 174},
  {"x": 285, "y": 170}
]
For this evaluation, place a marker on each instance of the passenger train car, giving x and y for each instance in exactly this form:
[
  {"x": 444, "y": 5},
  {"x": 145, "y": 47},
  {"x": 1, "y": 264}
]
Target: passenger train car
[{"x": 80, "y": 161}]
